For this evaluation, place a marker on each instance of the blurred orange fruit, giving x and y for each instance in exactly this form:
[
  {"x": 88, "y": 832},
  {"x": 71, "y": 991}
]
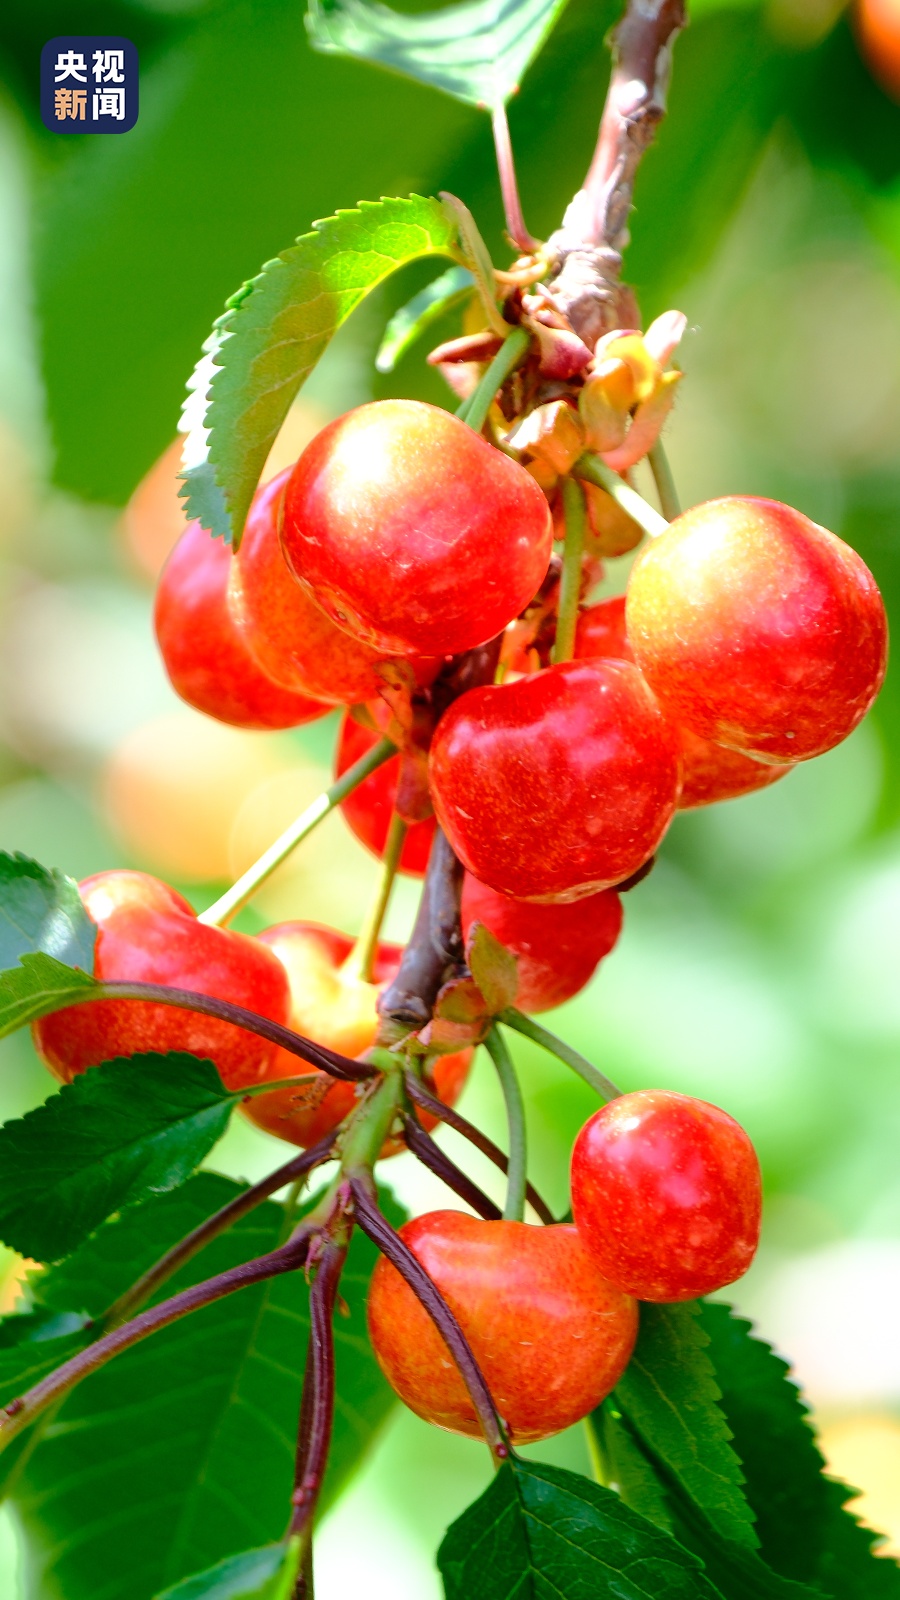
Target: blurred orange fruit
[{"x": 878, "y": 31}]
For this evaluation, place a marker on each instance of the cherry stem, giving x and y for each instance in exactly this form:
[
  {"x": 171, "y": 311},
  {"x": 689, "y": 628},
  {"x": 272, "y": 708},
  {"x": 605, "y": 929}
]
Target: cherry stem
[
  {"x": 669, "y": 503},
  {"x": 570, "y": 584},
  {"x": 518, "y": 1021},
  {"x": 142, "y": 1290},
  {"x": 512, "y": 351},
  {"x": 317, "y": 1405},
  {"x": 509, "y": 188},
  {"x": 429, "y": 1102},
  {"x": 398, "y": 1253},
  {"x": 337, "y": 1066},
  {"x": 517, "y": 1182},
  {"x": 592, "y": 470},
  {"x": 228, "y": 904},
  {"x": 21, "y": 1412},
  {"x": 361, "y": 960},
  {"x": 432, "y": 1156},
  {"x": 435, "y": 948}
]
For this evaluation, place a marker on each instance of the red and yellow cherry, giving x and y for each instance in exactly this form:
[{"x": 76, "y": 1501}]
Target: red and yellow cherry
[
  {"x": 557, "y": 947},
  {"x": 758, "y": 629},
  {"x": 666, "y": 1195},
  {"x": 203, "y": 652},
  {"x": 709, "y": 771},
  {"x": 878, "y": 31},
  {"x": 551, "y": 1336},
  {"x": 148, "y": 934},
  {"x": 290, "y": 637},
  {"x": 558, "y": 785},
  {"x": 333, "y": 1005},
  {"x": 369, "y": 807},
  {"x": 412, "y": 532}
]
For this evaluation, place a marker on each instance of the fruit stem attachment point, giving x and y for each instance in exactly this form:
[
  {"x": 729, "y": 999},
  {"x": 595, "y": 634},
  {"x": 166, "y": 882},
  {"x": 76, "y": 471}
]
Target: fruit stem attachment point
[
  {"x": 511, "y": 353},
  {"x": 514, "y": 1209},
  {"x": 361, "y": 960},
  {"x": 669, "y": 503},
  {"x": 227, "y": 906},
  {"x": 518, "y": 1021},
  {"x": 509, "y": 188},
  {"x": 592, "y": 470},
  {"x": 570, "y": 585}
]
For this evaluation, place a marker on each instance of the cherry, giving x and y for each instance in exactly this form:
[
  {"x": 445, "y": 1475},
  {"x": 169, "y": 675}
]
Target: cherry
[
  {"x": 554, "y": 786},
  {"x": 758, "y": 629},
  {"x": 290, "y": 637},
  {"x": 331, "y": 1004},
  {"x": 709, "y": 771},
  {"x": 203, "y": 652},
  {"x": 878, "y": 31},
  {"x": 557, "y": 946},
  {"x": 666, "y": 1195},
  {"x": 369, "y": 807},
  {"x": 148, "y": 934},
  {"x": 412, "y": 532},
  {"x": 551, "y": 1336}
]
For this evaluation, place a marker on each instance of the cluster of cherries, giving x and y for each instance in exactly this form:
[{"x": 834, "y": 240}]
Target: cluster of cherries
[{"x": 749, "y": 639}]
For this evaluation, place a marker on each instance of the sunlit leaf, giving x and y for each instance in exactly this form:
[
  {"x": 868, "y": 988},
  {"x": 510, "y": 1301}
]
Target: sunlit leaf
[
  {"x": 266, "y": 1574},
  {"x": 41, "y": 909},
  {"x": 36, "y": 987}
]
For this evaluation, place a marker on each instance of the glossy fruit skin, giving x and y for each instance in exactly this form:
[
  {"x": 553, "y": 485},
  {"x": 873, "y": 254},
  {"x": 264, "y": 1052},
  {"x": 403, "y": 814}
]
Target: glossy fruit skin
[
  {"x": 203, "y": 652},
  {"x": 147, "y": 933},
  {"x": 877, "y": 25},
  {"x": 290, "y": 637},
  {"x": 551, "y": 1336},
  {"x": 666, "y": 1194},
  {"x": 709, "y": 772},
  {"x": 412, "y": 532},
  {"x": 558, "y": 947},
  {"x": 368, "y": 809},
  {"x": 335, "y": 1008},
  {"x": 758, "y": 629},
  {"x": 558, "y": 785}
]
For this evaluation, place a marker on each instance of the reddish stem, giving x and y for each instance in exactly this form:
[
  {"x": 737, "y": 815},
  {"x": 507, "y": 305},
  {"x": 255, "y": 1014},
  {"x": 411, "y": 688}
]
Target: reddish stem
[
  {"x": 317, "y": 1405},
  {"x": 509, "y": 188},
  {"x": 430, "y": 1102},
  {"x": 432, "y": 1157}
]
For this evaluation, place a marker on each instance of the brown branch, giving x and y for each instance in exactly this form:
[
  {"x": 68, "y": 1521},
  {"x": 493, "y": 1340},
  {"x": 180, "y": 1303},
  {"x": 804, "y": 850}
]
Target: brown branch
[
  {"x": 434, "y": 953},
  {"x": 588, "y": 247}
]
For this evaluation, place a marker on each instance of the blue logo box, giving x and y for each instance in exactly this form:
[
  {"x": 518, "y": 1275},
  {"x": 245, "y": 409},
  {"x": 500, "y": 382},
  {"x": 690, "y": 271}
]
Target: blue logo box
[{"x": 89, "y": 84}]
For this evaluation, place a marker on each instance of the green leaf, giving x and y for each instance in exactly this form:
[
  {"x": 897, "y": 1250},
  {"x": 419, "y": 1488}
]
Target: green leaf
[
  {"x": 412, "y": 320},
  {"x": 493, "y": 967},
  {"x": 804, "y": 1528},
  {"x": 622, "y": 1465},
  {"x": 180, "y": 1452},
  {"x": 41, "y": 909},
  {"x": 114, "y": 1135},
  {"x": 272, "y": 334},
  {"x": 539, "y": 1532},
  {"x": 37, "y": 986},
  {"x": 477, "y": 51},
  {"x": 266, "y": 1574},
  {"x": 670, "y": 1396}
]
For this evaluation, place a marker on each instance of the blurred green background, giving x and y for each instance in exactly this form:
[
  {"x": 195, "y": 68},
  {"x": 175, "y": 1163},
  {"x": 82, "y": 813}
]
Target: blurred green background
[{"x": 759, "y": 966}]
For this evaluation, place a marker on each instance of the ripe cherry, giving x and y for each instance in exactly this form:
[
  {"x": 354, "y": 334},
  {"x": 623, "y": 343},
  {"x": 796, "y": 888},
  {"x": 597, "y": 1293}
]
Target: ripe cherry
[
  {"x": 204, "y": 654},
  {"x": 551, "y": 1336},
  {"x": 369, "y": 807},
  {"x": 758, "y": 629},
  {"x": 709, "y": 771},
  {"x": 148, "y": 934},
  {"x": 666, "y": 1195},
  {"x": 412, "y": 532},
  {"x": 333, "y": 1005},
  {"x": 555, "y": 786},
  {"x": 557, "y": 946},
  {"x": 287, "y": 633},
  {"x": 878, "y": 30}
]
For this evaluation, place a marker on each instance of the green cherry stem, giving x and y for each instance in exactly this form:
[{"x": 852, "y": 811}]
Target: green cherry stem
[
  {"x": 517, "y": 1181},
  {"x": 513, "y": 349},
  {"x": 361, "y": 960},
  {"x": 592, "y": 470},
  {"x": 563, "y": 1052},
  {"x": 570, "y": 586},
  {"x": 216, "y": 915},
  {"x": 669, "y": 503}
]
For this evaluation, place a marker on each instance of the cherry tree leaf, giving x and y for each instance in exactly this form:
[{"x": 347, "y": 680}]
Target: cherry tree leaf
[
  {"x": 623, "y": 1466},
  {"x": 41, "y": 909},
  {"x": 273, "y": 332},
  {"x": 477, "y": 51},
  {"x": 670, "y": 1396},
  {"x": 38, "y": 985},
  {"x": 539, "y": 1532},
  {"x": 114, "y": 1135},
  {"x": 266, "y": 1574}
]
